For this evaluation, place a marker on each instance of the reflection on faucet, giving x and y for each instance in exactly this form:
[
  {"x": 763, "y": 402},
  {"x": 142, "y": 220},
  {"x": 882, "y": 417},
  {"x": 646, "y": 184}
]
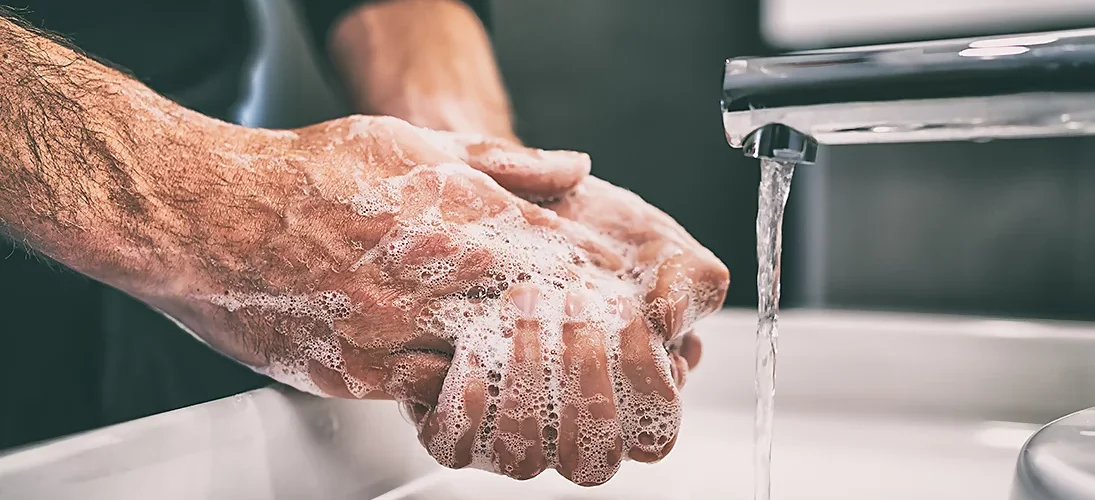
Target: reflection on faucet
[{"x": 1016, "y": 86}]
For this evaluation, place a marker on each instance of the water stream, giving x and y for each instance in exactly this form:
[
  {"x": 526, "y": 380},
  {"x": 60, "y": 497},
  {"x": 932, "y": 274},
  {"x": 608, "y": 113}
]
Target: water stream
[{"x": 775, "y": 184}]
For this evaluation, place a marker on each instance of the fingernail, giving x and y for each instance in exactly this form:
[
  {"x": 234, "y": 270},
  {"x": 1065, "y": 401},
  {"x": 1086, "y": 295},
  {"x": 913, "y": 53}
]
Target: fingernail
[
  {"x": 674, "y": 315},
  {"x": 525, "y": 298},
  {"x": 676, "y": 371},
  {"x": 574, "y": 305},
  {"x": 627, "y": 312}
]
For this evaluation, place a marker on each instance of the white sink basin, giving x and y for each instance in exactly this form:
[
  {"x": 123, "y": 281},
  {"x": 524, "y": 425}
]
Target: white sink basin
[
  {"x": 814, "y": 457},
  {"x": 869, "y": 406}
]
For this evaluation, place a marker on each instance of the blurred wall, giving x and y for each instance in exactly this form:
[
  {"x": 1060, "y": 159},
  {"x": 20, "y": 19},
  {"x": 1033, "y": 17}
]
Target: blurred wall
[
  {"x": 636, "y": 84},
  {"x": 1004, "y": 228},
  {"x": 806, "y": 24},
  {"x": 1000, "y": 228}
]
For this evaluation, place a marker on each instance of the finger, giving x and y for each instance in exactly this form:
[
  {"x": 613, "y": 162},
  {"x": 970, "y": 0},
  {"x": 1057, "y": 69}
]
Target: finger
[
  {"x": 532, "y": 173},
  {"x": 687, "y": 287},
  {"x": 594, "y": 248},
  {"x": 615, "y": 212},
  {"x": 678, "y": 367},
  {"x": 344, "y": 370},
  {"x": 389, "y": 144},
  {"x": 691, "y": 349},
  {"x": 710, "y": 280},
  {"x": 652, "y": 405},
  {"x": 414, "y": 376},
  {"x": 449, "y": 432},
  {"x": 522, "y": 434},
  {"x": 328, "y": 380},
  {"x": 668, "y": 300},
  {"x": 590, "y": 444}
]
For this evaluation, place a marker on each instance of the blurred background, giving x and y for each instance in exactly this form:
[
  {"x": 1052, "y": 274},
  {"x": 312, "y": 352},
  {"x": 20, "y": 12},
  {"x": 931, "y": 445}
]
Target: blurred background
[
  {"x": 1001, "y": 228},
  {"x": 1004, "y": 228}
]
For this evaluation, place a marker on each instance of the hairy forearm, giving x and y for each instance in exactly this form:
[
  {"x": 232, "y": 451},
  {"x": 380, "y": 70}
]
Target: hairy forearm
[
  {"x": 93, "y": 166},
  {"x": 429, "y": 62}
]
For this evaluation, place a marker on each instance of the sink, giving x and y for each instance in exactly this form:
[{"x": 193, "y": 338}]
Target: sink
[
  {"x": 869, "y": 406},
  {"x": 813, "y": 457}
]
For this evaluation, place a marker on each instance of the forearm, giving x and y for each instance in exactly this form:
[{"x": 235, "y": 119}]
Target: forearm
[
  {"x": 91, "y": 162},
  {"x": 427, "y": 61}
]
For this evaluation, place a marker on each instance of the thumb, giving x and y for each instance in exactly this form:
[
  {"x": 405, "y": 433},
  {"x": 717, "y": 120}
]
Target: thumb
[{"x": 534, "y": 174}]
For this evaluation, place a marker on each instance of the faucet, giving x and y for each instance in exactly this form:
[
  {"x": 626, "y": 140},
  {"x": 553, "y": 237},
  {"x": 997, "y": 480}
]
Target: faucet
[
  {"x": 1014, "y": 86},
  {"x": 1017, "y": 86}
]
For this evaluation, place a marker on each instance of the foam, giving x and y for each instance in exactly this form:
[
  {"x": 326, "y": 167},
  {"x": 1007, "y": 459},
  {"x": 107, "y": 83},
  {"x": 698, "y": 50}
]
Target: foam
[
  {"x": 539, "y": 258},
  {"x": 377, "y": 198},
  {"x": 324, "y": 307},
  {"x": 481, "y": 318},
  {"x": 500, "y": 157}
]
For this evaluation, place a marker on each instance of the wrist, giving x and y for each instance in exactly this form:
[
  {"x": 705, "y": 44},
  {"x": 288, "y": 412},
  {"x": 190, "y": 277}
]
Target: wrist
[{"x": 428, "y": 62}]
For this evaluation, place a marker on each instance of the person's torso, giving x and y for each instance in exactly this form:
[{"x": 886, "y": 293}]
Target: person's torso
[{"x": 176, "y": 47}]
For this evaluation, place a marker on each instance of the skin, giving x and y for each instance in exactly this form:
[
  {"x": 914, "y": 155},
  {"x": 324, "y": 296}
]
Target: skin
[
  {"x": 430, "y": 63},
  {"x": 366, "y": 257},
  {"x": 426, "y": 61}
]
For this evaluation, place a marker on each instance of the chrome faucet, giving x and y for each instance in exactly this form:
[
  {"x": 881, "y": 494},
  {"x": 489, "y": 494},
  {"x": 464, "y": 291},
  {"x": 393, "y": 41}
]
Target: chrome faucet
[{"x": 1016, "y": 86}]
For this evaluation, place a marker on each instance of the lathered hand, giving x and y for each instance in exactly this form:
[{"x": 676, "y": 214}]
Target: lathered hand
[{"x": 368, "y": 258}]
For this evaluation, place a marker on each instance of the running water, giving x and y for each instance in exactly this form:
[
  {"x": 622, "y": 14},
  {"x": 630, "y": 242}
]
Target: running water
[{"x": 775, "y": 184}]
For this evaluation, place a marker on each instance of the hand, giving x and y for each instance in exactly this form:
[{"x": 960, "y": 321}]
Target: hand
[
  {"x": 328, "y": 242},
  {"x": 683, "y": 279},
  {"x": 371, "y": 262},
  {"x": 618, "y": 395},
  {"x": 358, "y": 258}
]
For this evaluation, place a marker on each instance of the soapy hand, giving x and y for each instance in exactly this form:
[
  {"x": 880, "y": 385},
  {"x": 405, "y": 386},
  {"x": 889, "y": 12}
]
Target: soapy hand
[
  {"x": 366, "y": 258},
  {"x": 381, "y": 260},
  {"x": 683, "y": 280},
  {"x": 598, "y": 383},
  {"x": 647, "y": 355}
]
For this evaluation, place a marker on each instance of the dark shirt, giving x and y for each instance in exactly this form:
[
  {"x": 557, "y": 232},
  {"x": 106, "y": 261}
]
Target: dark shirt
[{"x": 174, "y": 46}]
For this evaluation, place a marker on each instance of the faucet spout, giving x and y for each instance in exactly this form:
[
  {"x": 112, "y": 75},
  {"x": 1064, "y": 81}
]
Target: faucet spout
[
  {"x": 777, "y": 141},
  {"x": 1033, "y": 85}
]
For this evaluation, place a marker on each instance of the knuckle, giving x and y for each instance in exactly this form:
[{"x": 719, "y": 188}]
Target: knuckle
[
  {"x": 717, "y": 272},
  {"x": 383, "y": 121}
]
